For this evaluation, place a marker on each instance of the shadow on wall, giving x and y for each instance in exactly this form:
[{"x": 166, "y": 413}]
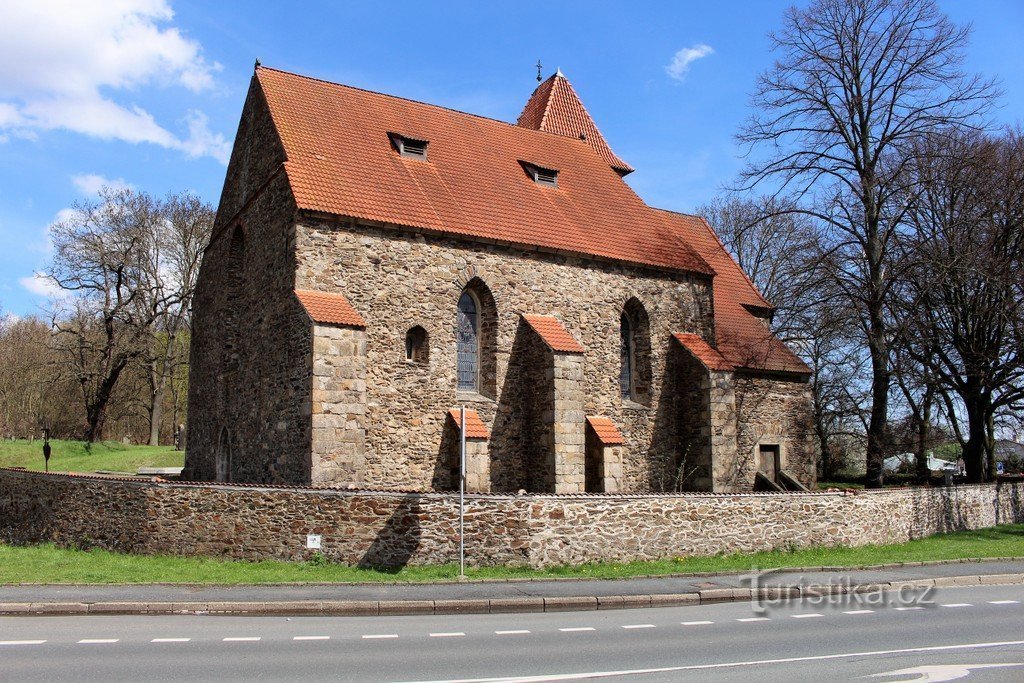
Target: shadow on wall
[
  {"x": 1006, "y": 490},
  {"x": 670, "y": 465},
  {"x": 446, "y": 467},
  {"x": 398, "y": 540}
]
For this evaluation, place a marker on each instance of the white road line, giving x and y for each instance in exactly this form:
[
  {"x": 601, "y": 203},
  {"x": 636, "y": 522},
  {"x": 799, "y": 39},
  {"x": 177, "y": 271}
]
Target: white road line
[
  {"x": 170, "y": 640},
  {"x": 750, "y": 619},
  {"x": 511, "y": 633},
  {"x": 907, "y": 609},
  {"x": 311, "y": 638},
  {"x": 1004, "y": 602},
  {"x": 22, "y": 642},
  {"x": 696, "y": 623},
  {"x": 639, "y": 626},
  {"x": 453, "y": 634},
  {"x": 732, "y": 665},
  {"x": 860, "y": 611},
  {"x": 379, "y": 636},
  {"x": 809, "y": 615},
  {"x": 577, "y": 628},
  {"x": 97, "y": 641},
  {"x": 242, "y": 639},
  {"x": 957, "y": 604}
]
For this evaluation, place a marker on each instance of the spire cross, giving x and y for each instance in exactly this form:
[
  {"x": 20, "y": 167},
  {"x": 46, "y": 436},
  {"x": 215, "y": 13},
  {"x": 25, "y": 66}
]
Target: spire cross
[{"x": 539, "y": 67}]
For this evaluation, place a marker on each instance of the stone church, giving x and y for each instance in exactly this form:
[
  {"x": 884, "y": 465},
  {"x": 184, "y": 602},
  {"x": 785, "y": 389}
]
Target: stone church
[{"x": 377, "y": 263}]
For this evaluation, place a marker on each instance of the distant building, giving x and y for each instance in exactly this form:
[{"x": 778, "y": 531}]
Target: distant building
[{"x": 377, "y": 263}]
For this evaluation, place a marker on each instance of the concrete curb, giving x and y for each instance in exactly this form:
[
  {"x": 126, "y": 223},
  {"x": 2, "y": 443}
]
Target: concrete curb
[{"x": 362, "y": 608}]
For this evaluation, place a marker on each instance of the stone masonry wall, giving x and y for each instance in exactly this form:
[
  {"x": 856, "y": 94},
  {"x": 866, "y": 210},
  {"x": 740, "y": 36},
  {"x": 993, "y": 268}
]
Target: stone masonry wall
[
  {"x": 774, "y": 411},
  {"x": 398, "y": 279},
  {"x": 339, "y": 405},
  {"x": 252, "y": 522}
]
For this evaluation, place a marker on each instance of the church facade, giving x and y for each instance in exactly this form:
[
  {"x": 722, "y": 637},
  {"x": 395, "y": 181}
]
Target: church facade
[{"x": 377, "y": 264}]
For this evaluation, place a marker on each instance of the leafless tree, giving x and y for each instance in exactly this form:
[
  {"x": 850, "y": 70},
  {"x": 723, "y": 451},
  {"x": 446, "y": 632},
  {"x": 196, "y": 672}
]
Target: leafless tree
[
  {"x": 964, "y": 298},
  {"x": 855, "y": 85}
]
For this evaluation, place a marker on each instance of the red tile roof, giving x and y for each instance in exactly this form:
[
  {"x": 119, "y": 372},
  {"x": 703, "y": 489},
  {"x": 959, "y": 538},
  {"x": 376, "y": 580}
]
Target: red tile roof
[
  {"x": 555, "y": 108},
  {"x": 329, "y": 309},
  {"x": 742, "y": 339},
  {"x": 553, "y": 333},
  {"x": 711, "y": 358},
  {"x": 607, "y": 433},
  {"x": 340, "y": 161},
  {"x": 475, "y": 427}
]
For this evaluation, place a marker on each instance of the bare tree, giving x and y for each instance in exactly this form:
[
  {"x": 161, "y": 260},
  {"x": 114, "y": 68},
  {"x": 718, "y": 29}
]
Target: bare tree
[
  {"x": 964, "y": 302},
  {"x": 856, "y": 83}
]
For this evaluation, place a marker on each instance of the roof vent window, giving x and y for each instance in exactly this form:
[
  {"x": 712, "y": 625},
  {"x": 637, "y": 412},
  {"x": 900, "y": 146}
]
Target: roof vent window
[
  {"x": 410, "y": 147},
  {"x": 544, "y": 176}
]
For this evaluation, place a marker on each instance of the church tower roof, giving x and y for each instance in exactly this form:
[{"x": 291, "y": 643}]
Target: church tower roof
[{"x": 555, "y": 108}]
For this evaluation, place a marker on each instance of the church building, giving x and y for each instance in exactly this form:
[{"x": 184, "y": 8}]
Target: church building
[{"x": 378, "y": 263}]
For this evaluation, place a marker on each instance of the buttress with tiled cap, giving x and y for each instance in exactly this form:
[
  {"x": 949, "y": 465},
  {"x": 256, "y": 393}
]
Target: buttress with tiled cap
[{"x": 555, "y": 108}]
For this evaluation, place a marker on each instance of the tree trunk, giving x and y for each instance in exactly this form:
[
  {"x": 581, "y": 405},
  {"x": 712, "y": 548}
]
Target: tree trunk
[
  {"x": 990, "y": 446},
  {"x": 879, "y": 413},
  {"x": 96, "y": 409},
  {"x": 155, "y": 407},
  {"x": 974, "y": 449},
  {"x": 923, "y": 423}
]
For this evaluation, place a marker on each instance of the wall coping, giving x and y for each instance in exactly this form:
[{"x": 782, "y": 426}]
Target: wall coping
[{"x": 567, "y": 497}]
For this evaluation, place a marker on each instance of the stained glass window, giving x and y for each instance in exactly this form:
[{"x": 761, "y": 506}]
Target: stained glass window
[{"x": 468, "y": 342}]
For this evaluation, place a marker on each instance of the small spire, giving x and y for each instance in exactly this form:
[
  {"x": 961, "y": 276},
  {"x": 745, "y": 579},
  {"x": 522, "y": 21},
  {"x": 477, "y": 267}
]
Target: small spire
[
  {"x": 257, "y": 64},
  {"x": 558, "y": 72},
  {"x": 539, "y": 67}
]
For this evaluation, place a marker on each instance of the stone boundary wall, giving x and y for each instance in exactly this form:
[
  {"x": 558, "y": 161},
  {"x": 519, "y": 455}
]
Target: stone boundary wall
[{"x": 393, "y": 529}]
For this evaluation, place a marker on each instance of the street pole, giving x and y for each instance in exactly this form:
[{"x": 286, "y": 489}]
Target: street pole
[{"x": 462, "y": 494}]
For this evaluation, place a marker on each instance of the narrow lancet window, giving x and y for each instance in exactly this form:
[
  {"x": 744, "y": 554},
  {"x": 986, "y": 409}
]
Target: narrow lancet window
[{"x": 468, "y": 343}]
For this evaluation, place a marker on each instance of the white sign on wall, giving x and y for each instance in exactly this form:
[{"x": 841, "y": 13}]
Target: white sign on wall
[{"x": 313, "y": 541}]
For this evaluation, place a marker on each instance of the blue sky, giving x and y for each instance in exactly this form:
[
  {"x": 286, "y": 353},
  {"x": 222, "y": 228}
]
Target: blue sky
[{"x": 148, "y": 92}]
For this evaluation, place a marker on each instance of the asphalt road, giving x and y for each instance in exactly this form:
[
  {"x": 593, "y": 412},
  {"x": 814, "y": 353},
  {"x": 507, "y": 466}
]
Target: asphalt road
[{"x": 978, "y": 631}]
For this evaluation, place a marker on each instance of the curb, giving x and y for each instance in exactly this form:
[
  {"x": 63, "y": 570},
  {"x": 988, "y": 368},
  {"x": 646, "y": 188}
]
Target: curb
[{"x": 364, "y": 608}]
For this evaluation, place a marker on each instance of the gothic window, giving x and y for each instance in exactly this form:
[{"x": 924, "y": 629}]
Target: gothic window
[
  {"x": 468, "y": 342},
  {"x": 635, "y": 353},
  {"x": 626, "y": 356},
  {"x": 417, "y": 349}
]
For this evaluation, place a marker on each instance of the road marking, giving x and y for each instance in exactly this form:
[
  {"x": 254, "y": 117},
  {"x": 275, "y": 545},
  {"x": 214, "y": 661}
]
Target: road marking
[
  {"x": 22, "y": 642},
  {"x": 907, "y": 609},
  {"x": 1004, "y": 602},
  {"x": 860, "y": 611},
  {"x": 242, "y": 639},
  {"x": 957, "y": 604},
  {"x": 639, "y": 626},
  {"x": 577, "y": 628},
  {"x": 696, "y": 623},
  {"x": 311, "y": 638},
  {"x": 170, "y": 640},
  {"x": 732, "y": 665},
  {"x": 97, "y": 641},
  {"x": 453, "y": 634},
  {"x": 750, "y": 619},
  {"x": 809, "y": 615},
  {"x": 379, "y": 636},
  {"x": 511, "y": 633}
]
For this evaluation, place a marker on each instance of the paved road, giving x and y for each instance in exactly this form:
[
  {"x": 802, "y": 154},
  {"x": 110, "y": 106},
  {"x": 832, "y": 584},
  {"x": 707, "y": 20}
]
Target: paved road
[{"x": 980, "y": 627}]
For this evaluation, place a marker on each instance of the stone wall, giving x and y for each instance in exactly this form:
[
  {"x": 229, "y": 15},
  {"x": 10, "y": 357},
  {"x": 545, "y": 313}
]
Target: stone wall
[
  {"x": 252, "y": 522},
  {"x": 397, "y": 279}
]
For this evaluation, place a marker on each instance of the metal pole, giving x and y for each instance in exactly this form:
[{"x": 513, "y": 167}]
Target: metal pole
[{"x": 462, "y": 494}]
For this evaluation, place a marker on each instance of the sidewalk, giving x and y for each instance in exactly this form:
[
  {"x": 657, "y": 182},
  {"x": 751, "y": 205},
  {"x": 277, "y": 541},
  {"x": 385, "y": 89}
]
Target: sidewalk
[{"x": 494, "y": 596}]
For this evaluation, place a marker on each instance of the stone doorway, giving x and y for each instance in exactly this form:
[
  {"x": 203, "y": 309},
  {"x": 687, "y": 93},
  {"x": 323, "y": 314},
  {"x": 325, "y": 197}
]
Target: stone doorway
[{"x": 768, "y": 461}]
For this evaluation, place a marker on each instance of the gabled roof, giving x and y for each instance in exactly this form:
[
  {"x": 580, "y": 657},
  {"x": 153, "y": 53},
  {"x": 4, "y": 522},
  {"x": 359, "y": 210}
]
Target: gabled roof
[
  {"x": 475, "y": 427},
  {"x": 555, "y": 108},
  {"x": 329, "y": 309},
  {"x": 742, "y": 338},
  {"x": 607, "y": 433},
  {"x": 340, "y": 161},
  {"x": 553, "y": 333}
]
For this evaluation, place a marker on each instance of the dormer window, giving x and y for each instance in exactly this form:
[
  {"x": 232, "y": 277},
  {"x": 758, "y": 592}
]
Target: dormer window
[
  {"x": 542, "y": 176},
  {"x": 410, "y": 147}
]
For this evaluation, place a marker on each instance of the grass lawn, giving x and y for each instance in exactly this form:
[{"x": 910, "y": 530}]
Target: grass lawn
[
  {"x": 72, "y": 456},
  {"x": 49, "y": 564}
]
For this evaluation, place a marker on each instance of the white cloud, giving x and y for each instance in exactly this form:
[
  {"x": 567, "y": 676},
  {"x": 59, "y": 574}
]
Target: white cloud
[
  {"x": 70, "y": 64},
  {"x": 202, "y": 141},
  {"x": 683, "y": 58},
  {"x": 90, "y": 184},
  {"x": 41, "y": 284}
]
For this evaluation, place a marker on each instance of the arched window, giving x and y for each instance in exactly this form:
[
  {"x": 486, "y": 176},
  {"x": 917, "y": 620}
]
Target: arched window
[
  {"x": 635, "y": 351},
  {"x": 467, "y": 333},
  {"x": 626, "y": 355},
  {"x": 417, "y": 349}
]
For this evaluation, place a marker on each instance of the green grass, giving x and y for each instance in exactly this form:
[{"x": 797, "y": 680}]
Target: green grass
[
  {"x": 73, "y": 456},
  {"x": 49, "y": 564}
]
